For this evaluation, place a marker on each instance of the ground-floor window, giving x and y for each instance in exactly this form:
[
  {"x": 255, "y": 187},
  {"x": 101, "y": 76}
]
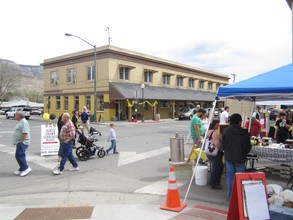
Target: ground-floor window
[
  {"x": 88, "y": 102},
  {"x": 58, "y": 103},
  {"x": 100, "y": 103},
  {"x": 66, "y": 103},
  {"x": 76, "y": 102}
]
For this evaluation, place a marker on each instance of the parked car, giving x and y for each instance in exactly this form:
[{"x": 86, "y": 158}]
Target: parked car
[
  {"x": 186, "y": 113},
  {"x": 37, "y": 111},
  {"x": 13, "y": 110},
  {"x": 3, "y": 111}
]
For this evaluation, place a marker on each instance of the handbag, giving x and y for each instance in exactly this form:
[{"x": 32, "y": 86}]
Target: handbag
[{"x": 210, "y": 149}]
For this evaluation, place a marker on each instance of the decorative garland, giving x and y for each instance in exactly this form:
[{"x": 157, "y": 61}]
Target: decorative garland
[{"x": 131, "y": 104}]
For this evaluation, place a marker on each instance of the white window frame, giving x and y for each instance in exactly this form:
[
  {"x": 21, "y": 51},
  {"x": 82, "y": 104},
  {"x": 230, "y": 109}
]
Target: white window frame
[
  {"x": 91, "y": 72},
  {"x": 201, "y": 84},
  {"x": 166, "y": 79},
  {"x": 124, "y": 73},
  {"x": 179, "y": 81},
  {"x": 148, "y": 76},
  {"x": 191, "y": 83},
  {"x": 54, "y": 78},
  {"x": 71, "y": 75},
  {"x": 210, "y": 86}
]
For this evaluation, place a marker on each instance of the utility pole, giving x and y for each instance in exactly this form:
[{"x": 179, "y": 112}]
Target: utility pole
[{"x": 234, "y": 76}]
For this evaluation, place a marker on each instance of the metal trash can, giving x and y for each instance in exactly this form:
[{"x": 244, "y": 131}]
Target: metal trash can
[{"x": 177, "y": 148}]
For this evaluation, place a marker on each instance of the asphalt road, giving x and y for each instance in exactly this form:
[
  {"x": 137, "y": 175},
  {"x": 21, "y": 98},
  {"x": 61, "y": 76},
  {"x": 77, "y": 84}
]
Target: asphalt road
[{"x": 141, "y": 167}]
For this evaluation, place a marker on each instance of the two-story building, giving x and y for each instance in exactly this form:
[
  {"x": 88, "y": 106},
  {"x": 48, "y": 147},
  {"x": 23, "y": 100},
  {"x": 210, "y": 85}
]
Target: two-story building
[{"x": 128, "y": 85}]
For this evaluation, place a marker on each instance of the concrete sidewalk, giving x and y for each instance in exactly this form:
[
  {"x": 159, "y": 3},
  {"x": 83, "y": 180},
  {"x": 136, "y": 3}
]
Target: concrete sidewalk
[{"x": 99, "y": 205}]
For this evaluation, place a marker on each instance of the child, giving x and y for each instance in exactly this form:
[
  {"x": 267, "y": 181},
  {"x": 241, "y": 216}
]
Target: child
[{"x": 113, "y": 139}]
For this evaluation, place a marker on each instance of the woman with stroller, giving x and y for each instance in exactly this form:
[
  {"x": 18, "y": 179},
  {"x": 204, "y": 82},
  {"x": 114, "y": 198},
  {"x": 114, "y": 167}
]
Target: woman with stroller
[{"x": 74, "y": 120}]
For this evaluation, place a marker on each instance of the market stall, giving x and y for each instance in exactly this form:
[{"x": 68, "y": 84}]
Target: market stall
[{"x": 275, "y": 85}]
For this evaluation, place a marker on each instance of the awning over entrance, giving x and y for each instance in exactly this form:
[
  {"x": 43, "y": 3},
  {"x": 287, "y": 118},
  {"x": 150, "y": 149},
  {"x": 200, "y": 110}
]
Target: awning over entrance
[{"x": 127, "y": 91}]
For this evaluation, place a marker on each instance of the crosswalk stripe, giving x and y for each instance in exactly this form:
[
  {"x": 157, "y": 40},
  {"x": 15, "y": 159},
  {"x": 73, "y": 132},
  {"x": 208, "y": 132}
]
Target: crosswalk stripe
[{"x": 49, "y": 162}]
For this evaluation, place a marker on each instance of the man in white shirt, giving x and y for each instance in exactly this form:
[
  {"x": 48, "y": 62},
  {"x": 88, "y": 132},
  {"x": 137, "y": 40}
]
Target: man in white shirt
[{"x": 224, "y": 116}]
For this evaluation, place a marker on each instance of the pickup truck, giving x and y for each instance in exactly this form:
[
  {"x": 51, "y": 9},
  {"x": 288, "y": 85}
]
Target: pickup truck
[{"x": 12, "y": 111}]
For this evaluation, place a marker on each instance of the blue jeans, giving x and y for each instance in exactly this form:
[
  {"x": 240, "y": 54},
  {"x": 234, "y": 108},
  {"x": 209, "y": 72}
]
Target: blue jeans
[
  {"x": 20, "y": 156},
  {"x": 231, "y": 169},
  {"x": 113, "y": 146},
  {"x": 194, "y": 141},
  {"x": 67, "y": 154},
  {"x": 217, "y": 168}
]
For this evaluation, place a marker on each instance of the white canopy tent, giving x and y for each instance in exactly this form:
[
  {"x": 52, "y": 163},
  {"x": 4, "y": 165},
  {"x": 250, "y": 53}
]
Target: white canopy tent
[{"x": 21, "y": 102}]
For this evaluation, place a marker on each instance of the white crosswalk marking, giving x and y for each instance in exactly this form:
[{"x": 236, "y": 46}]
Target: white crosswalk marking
[{"x": 49, "y": 162}]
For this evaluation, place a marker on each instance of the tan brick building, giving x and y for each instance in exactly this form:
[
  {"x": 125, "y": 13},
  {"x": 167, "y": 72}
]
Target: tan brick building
[{"x": 168, "y": 86}]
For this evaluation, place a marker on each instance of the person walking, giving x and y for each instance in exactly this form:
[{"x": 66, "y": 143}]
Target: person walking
[
  {"x": 67, "y": 134},
  {"x": 21, "y": 138},
  {"x": 112, "y": 137},
  {"x": 196, "y": 127},
  {"x": 59, "y": 125},
  {"x": 84, "y": 116},
  {"x": 236, "y": 145},
  {"x": 224, "y": 116},
  {"x": 217, "y": 165}
]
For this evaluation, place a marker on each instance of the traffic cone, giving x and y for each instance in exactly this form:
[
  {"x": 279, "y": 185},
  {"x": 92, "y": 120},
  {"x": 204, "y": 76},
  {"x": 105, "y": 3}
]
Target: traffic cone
[{"x": 173, "y": 198}]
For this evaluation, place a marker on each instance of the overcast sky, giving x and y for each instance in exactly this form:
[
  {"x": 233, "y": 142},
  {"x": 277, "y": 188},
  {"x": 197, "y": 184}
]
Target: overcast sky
[{"x": 226, "y": 36}]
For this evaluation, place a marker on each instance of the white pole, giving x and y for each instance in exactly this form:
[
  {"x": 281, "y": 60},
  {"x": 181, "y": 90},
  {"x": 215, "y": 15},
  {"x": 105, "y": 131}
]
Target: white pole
[{"x": 203, "y": 142}]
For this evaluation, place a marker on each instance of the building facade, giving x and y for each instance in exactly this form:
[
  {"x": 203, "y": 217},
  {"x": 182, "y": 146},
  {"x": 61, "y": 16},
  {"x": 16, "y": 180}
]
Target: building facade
[{"x": 129, "y": 85}]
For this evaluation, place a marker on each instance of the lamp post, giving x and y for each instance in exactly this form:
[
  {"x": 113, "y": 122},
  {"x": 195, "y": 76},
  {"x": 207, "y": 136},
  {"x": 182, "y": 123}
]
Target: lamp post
[
  {"x": 142, "y": 86},
  {"x": 95, "y": 72}
]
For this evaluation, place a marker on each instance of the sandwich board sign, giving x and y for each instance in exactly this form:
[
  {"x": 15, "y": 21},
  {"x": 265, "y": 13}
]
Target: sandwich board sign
[{"x": 49, "y": 140}]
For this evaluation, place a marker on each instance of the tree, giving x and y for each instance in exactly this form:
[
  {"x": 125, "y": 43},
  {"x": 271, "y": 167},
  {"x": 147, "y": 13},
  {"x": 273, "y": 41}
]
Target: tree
[{"x": 9, "y": 78}]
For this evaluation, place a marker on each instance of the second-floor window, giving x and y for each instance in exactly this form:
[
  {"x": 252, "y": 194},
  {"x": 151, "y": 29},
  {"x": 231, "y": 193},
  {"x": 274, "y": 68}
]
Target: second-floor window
[
  {"x": 54, "y": 78},
  {"x": 90, "y": 73},
  {"x": 191, "y": 83},
  {"x": 201, "y": 84},
  {"x": 210, "y": 86},
  {"x": 166, "y": 79},
  {"x": 179, "y": 81},
  {"x": 71, "y": 75},
  {"x": 148, "y": 76},
  {"x": 124, "y": 73}
]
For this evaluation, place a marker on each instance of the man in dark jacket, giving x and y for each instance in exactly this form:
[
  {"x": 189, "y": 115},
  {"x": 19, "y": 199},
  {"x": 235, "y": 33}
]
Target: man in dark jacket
[{"x": 236, "y": 145}]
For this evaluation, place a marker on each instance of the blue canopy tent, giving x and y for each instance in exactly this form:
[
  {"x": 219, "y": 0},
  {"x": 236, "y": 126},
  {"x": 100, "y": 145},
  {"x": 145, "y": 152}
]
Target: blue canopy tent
[{"x": 273, "y": 85}]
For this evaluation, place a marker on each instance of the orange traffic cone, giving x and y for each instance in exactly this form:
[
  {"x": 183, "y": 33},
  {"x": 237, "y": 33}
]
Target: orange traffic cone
[{"x": 173, "y": 198}]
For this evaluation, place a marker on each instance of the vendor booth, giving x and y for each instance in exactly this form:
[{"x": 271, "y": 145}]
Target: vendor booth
[{"x": 275, "y": 85}]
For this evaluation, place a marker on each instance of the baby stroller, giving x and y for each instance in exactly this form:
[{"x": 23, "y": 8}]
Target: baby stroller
[{"x": 88, "y": 147}]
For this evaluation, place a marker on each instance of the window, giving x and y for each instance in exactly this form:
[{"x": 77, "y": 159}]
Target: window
[
  {"x": 148, "y": 76},
  {"x": 210, "y": 86},
  {"x": 191, "y": 83},
  {"x": 166, "y": 79},
  {"x": 58, "y": 103},
  {"x": 76, "y": 102},
  {"x": 71, "y": 75},
  {"x": 201, "y": 84},
  {"x": 66, "y": 103},
  {"x": 90, "y": 72},
  {"x": 100, "y": 103},
  {"x": 124, "y": 73},
  {"x": 217, "y": 86},
  {"x": 179, "y": 81},
  {"x": 88, "y": 102},
  {"x": 54, "y": 78}
]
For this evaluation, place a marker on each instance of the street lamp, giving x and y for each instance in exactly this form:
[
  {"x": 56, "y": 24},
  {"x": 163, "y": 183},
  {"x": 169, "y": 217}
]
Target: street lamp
[
  {"x": 95, "y": 73},
  {"x": 142, "y": 86}
]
